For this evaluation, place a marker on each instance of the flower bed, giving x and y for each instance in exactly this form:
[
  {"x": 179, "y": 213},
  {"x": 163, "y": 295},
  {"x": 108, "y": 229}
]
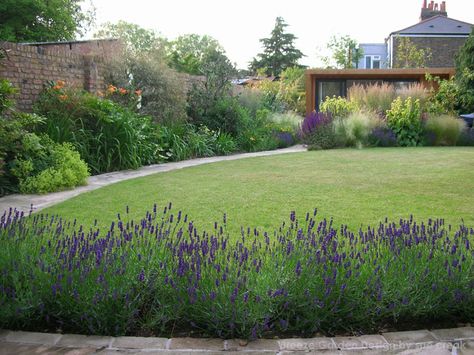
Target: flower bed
[{"x": 161, "y": 276}]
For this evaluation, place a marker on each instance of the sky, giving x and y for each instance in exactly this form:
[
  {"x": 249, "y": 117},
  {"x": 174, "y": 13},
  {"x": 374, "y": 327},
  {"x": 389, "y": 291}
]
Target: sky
[{"x": 238, "y": 25}]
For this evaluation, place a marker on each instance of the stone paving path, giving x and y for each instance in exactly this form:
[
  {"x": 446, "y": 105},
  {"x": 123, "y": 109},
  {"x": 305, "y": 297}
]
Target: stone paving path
[
  {"x": 24, "y": 202},
  {"x": 456, "y": 341}
]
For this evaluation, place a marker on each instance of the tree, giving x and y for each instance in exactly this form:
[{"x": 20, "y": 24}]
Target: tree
[
  {"x": 188, "y": 53},
  {"x": 279, "y": 51},
  {"x": 135, "y": 38},
  {"x": 465, "y": 75},
  {"x": 43, "y": 21},
  {"x": 346, "y": 52},
  {"x": 409, "y": 56}
]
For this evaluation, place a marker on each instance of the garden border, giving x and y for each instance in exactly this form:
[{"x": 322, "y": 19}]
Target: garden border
[
  {"x": 24, "y": 203},
  {"x": 438, "y": 341}
]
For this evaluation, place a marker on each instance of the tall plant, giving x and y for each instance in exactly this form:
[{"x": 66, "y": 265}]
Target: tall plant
[{"x": 404, "y": 118}]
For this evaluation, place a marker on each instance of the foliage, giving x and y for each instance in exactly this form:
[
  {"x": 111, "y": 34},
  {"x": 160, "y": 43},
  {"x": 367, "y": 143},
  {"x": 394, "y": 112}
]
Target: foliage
[
  {"x": 252, "y": 99},
  {"x": 409, "y": 56},
  {"x": 279, "y": 51},
  {"x": 465, "y": 75},
  {"x": 190, "y": 53},
  {"x": 382, "y": 136},
  {"x": 272, "y": 100},
  {"x": 377, "y": 97},
  {"x": 161, "y": 90},
  {"x": 317, "y": 131},
  {"x": 108, "y": 136},
  {"x": 466, "y": 138},
  {"x": 444, "y": 129},
  {"x": 135, "y": 38},
  {"x": 404, "y": 118},
  {"x": 43, "y": 21},
  {"x": 445, "y": 98},
  {"x": 355, "y": 129},
  {"x": 6, "y": 92},
  {"x": 258, "y": 133},
  {"x": 181, "y": 142},
  {"x": 292, "y": 89},
  {"x": 415, "y": 91},
  {"x": 346, "y": 52},
  {"x": 44, "y": 166},
  {"x": 161, "y": 273},
  {"x": 338, "y": 107}
]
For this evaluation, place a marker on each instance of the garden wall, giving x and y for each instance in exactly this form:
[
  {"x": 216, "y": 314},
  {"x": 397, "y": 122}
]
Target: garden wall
[{"x": 80, "y": 64}]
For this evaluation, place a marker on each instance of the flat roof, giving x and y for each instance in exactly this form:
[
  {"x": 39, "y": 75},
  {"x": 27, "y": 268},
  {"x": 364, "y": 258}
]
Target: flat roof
[{"x": 373, "y": 73}]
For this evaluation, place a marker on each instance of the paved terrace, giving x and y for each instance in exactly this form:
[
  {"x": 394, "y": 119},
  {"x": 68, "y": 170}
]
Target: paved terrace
[
  {"x": 457, "y": 341},
  {"x": 26, "y": 202}
]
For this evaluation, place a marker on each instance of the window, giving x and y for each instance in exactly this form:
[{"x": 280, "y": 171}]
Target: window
[
  {"x": 372, "y": 62},
  {"x": 329, "y": 88}
]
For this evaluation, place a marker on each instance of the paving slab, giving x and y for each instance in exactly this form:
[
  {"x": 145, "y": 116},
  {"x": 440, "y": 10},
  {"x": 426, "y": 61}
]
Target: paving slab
[
  {"x": 361, "y": 342},
  {"x": 462, "y": 333},
  {"x": 418, "y": 349},
  {"x": 84, "y": 341},
  {"x": 25, "y": 203},
  {"x": 410, "y": 337},
  {"x": 3, "y": 334},
  {"x": 298, "y": 344},
  {"x": 197, "y": 344},
  {"x": 262, "y": 345},
  {"x": 33, "y": 338},
  {"x": 465, "y": 348},
  {"x": 29, "y": 349},
  {"x": 139, "y": 343}
]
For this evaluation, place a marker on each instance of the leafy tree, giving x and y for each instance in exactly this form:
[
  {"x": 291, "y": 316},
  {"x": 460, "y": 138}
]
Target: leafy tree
[
  {"x": 346, "y": 52},
  {"x": 465, "y": 75},
  {"x": 42, "y": 21},
  {"x": 409, "y": 56},
  {"x": 188, "y": 53},
  {"x": 135, "y": 38},
  {"x": 279, "y": 51}
]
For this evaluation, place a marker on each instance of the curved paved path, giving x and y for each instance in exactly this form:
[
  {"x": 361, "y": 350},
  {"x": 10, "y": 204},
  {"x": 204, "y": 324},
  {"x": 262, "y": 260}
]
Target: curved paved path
[
  {"x": 38, "y": 202},
  {"x": 457, "y": 341}
]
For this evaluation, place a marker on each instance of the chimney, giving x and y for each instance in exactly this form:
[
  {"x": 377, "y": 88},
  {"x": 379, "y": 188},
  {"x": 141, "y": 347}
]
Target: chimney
[
  {"x": 433, "y": 9},
  {"x": 425, "y": 4}
]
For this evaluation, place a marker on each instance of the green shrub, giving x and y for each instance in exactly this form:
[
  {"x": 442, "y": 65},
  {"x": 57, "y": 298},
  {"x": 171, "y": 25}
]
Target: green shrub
[
  {"x": 338, "y": 107},
  {"x": 467, "y": 138},
  {"x": 257, "y": 133},
  {"x": 404, "y": 118},
  {"x": 108, "y": 136},
  {"x": 251, "y": 99},
  {"x": 444, "y": 130},
  {"x": 416, "y": 91},
  {"x": 443, "y": 100},
  {"x": 44, "y": 166},
  {"x": 354, "y": 130}
]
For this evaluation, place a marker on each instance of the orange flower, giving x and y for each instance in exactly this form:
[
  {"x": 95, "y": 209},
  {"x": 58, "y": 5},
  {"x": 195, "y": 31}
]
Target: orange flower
[
  {"x": 62, "y": 97},
  {"x": 100, "y": 94},
  {"x": 57, "y": 87},
  {"x": 111, "y": 89},
  {"x": 60, "y": 83},
  {"x": 122, "y": 91},
  {"x": 138, "y": 92}
]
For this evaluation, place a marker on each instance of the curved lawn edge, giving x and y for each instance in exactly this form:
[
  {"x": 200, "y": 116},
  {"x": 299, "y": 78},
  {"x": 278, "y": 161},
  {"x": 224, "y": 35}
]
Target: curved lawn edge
[
  {"x": 440, "y": 340},
  {"x": 25, "y": 203}
]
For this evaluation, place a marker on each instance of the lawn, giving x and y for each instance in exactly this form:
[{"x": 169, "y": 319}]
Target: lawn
[{"x": 355, "y": 187}]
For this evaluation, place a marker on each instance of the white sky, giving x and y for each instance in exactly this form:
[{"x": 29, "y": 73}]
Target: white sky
[{"x": 239, "y": 24}]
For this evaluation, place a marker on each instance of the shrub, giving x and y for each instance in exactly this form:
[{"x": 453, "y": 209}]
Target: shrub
[
  {"x": 44, "y": 166},
  {"x": 251, "y": 99},
  {"x": 162, "y": 90},
  {"x": 415, "y": 91},
  {"x": 317, "y": 131},
  {"x": 404, "y": 118},
  {"x": 444, "y": 130},
  {"x": 443, "y": 100},
  {"x": 108, "y": 136},
  {"x": 377, "y": 98},
  {"x": 467, "y": 138},
  {"x": 338, "y": 107},
  {"x": 257, "y": 133},
  {"x": 160, "y": 274},
  {"x": 354, "y": 130},
  {"x": 382, "y": 137}
]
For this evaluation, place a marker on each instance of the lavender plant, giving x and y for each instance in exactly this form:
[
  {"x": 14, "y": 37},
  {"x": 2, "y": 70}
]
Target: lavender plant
[{"x": 159, "y": 275}]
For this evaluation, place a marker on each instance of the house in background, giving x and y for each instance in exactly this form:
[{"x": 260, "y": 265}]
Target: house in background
[
  {"x": 442, "y": 35},
  {"x": 375, "y": 56}
]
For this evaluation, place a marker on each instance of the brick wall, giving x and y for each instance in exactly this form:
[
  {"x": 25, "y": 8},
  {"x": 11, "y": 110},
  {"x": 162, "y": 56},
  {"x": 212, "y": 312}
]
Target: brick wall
[
  {"x": 443, "y": 49},
  {"x": 80, "y": 64}
]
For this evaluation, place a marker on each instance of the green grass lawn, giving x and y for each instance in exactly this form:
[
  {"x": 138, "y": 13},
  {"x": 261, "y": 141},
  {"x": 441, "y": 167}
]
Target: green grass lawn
[{"x": 356, "y": 187}]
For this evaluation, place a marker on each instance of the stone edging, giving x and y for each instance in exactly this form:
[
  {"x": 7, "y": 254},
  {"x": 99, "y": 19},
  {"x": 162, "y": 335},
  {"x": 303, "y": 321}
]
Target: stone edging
[{"x": 439, "y": 341}]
